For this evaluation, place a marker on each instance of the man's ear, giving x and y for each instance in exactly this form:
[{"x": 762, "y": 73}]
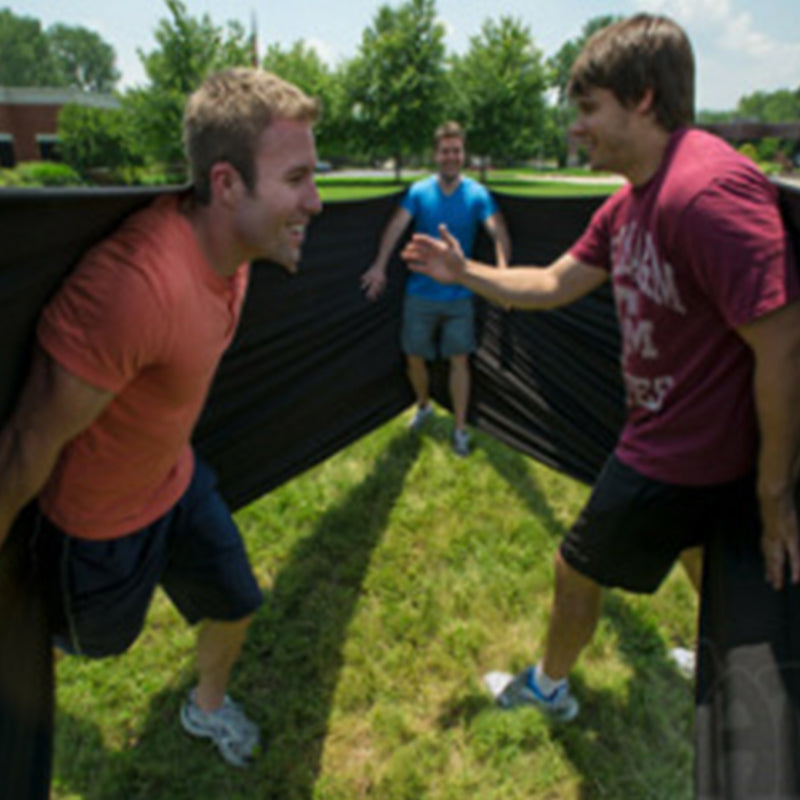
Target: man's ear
[
  {"x": 644, "y": 104},
  {"x": 225, "y": 182}
]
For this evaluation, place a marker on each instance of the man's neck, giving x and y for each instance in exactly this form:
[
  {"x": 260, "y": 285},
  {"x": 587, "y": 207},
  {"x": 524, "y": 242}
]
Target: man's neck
[
  {"x": 649, "y": 156},
  {"x": 221, "y": 256},
  {"x": 449, "y": 183}
]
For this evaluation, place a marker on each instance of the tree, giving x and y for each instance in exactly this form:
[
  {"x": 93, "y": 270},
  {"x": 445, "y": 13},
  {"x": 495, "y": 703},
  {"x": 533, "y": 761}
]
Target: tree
[
  {"x": 82, "y": 57},
  {"x": 60, "y": 56},
  {"x": 397, "y": 81},
  {"x": 560, "y": 66},
  {"x": 499, "y": 85},
  {"x": 91, "y": 138},
  {"x": 303, "y": 66},
  {"x": 26, "y": 60},
  {"x": 188, "y": 50},
  {"x": 782, "y": 105}
]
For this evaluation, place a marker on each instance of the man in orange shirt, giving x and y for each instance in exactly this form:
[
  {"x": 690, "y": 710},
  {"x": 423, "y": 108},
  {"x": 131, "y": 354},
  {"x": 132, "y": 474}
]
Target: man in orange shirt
[{"x": 126, "y": 352}]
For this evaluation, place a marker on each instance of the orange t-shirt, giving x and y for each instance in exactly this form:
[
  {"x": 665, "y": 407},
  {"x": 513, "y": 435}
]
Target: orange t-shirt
[{"x": 146, "y": 317}]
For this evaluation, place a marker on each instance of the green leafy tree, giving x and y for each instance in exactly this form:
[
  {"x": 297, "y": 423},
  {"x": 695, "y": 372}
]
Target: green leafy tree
[
  {"x": 560, "y": 66},
  {"x": 26, "y": 57},
  {"x": 84, "y": 59},
  {"x": 396, "y": 81},
  {"x": 96, "y": 138},
  {"x": 782, "y": 105},
  {"x": 188, "y": 49},
  {"x": 499, "y": 85},
  {"x": 303, "y": 66}
]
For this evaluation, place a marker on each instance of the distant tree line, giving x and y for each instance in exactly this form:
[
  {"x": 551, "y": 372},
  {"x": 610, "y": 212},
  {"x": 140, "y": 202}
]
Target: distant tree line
[{"x": 383, "y": 103}]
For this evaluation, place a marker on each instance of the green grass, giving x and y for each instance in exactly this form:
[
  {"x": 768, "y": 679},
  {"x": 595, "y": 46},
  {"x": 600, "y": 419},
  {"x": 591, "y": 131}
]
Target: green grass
[
  {"x": 395, "y": 575},
  {"x": 526, "y": 183}
]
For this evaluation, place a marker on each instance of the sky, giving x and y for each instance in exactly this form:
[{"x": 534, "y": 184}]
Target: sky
[{"x": 741, "y": 46}]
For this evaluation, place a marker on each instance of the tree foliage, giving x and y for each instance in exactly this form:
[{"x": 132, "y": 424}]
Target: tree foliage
[
  {"x": 560, "y": 66},
  {"x": 26, "y": 57},
  {"x": 780, "y": 106},
  {"x": 384, "y": 102},
  {"x": 396, "y": 81},
  {"x": 303, "y": 66},
  {"x": 92, "y": 138},
  {"x": 188, "y": 49},
  {"x": 85, "y": 60},
  {"x": 61, "y": 56},
  {"x": 499, "y": 89}
]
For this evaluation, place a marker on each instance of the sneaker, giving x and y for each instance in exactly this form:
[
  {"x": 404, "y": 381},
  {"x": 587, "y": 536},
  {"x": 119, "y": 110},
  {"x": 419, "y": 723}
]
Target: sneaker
[
  {"x": 685, "y": 660},
  {"x": 461, "y": 443},
  {"x": 522, "y": 690},
  {"x": 421, "y": 416},
  {"x": 235, "y": 736}
]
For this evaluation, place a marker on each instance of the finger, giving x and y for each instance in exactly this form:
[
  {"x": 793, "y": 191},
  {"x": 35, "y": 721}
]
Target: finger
[
  {"x": 448, "y": 237},
  {"x": 413, "y": 252},
  {"x": 794, "y": 561},
  {"x": 775, "y": 568}
]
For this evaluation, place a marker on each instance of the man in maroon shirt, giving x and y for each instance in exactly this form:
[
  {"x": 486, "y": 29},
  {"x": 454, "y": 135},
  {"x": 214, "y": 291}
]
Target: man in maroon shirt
[{"x": 706, "y": 292}]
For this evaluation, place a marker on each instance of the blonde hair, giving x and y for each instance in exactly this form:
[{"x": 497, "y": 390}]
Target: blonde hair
[
  {"x": 225, "y": 117},
  {"x": 636, "y": 54},
  {"x": 449, "y": 130}
]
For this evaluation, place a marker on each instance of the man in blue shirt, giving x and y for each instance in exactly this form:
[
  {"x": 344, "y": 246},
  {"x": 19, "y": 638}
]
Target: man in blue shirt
[{"x": 438, "y": 319}]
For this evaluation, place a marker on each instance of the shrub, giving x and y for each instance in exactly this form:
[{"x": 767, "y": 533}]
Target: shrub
[
  {"x": 96, "y": 138},
  {"x": 46, "y": 173}
]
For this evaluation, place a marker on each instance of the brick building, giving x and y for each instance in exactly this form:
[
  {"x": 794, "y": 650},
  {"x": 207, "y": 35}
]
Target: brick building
[{"x": 29, "y": 120}]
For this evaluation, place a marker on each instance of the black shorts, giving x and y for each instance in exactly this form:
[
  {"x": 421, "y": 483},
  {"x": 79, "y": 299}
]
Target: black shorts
[
  {"x": 633, "y": 529},
  {"x": 99, "y": 591}
]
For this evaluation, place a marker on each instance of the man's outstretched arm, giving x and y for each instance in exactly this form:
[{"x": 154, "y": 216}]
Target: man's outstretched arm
[{"x": 531, "y": 287}]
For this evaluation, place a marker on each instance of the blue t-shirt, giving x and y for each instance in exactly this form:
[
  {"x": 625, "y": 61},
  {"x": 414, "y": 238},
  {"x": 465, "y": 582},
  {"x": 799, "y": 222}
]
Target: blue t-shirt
[{"x": 463, "y": 211}]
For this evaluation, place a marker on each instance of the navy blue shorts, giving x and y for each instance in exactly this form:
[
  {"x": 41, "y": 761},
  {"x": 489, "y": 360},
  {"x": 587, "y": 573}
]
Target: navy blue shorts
[
  {"x": 438, "y": 328},
  {"x": 99, "y": 591},
  {"x": 632, "y": 529}
]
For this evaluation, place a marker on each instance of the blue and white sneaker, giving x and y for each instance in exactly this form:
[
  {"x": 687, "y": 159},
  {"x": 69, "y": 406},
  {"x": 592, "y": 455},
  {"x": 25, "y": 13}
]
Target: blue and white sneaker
[{"x": 522, "y": 690}]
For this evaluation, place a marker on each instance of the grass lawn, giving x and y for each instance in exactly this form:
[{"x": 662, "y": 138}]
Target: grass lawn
[
  {"x": 395, "y": 576},
  {"x": 334, "y": 187}
]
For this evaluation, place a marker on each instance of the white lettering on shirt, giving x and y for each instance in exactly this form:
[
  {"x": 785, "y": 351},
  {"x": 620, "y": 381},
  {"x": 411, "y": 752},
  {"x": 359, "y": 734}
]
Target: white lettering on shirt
[{"x": 641, "y": 272}]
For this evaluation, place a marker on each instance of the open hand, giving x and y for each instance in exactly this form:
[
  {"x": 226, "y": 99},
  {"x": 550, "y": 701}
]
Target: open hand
[
  {"x": 441, "y": 259},
  {"x": 780, "y": 543},
  {"x": 373, "y": 282}
]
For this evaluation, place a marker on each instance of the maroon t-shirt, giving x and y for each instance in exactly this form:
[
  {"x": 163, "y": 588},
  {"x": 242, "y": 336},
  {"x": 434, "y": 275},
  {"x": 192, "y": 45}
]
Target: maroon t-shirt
[{"x": 696, "y": 252}]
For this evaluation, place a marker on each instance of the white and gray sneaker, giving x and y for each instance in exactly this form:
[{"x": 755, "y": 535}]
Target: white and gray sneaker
[
  {"x": 235, "y": 736},
  {"x": 461, "y": 443},
  {"x": 685, "y": 660},
  {"x": 522, "y": 690},
  {"x": 421, "y": 416}
]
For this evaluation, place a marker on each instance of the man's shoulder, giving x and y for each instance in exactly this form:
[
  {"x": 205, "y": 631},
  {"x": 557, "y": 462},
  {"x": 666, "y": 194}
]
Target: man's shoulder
[
  {"x": 144, "y": 253},
  {"x": 423, "y": 185},
  {"x": 704, "y": 163}
]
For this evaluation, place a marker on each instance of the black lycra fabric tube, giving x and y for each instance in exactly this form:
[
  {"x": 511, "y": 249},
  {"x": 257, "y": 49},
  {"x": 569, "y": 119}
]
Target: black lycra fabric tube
[{"x": 315, "y": 366}]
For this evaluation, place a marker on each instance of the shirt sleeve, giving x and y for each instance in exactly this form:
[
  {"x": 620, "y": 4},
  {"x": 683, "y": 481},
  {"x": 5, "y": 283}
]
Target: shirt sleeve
[
  {"x": 593, "y": 248},
  {"x": 739, "y": 248},
  {"x": 106, "y": 323},
  {"x": 487, "y": 204},
  {"x": 410, "y": 200}
]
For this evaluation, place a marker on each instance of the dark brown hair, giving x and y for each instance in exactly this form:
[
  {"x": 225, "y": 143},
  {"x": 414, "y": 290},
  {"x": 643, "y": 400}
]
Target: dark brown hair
[{"x": 636, "y": 54}]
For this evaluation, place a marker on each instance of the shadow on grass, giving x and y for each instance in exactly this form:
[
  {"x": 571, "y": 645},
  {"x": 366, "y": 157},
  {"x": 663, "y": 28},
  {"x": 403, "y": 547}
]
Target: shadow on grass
[
  {"x": 286, "y": 677},
  {"x": 629, "y": 741},
  {"x": 635, "y": 741}
]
